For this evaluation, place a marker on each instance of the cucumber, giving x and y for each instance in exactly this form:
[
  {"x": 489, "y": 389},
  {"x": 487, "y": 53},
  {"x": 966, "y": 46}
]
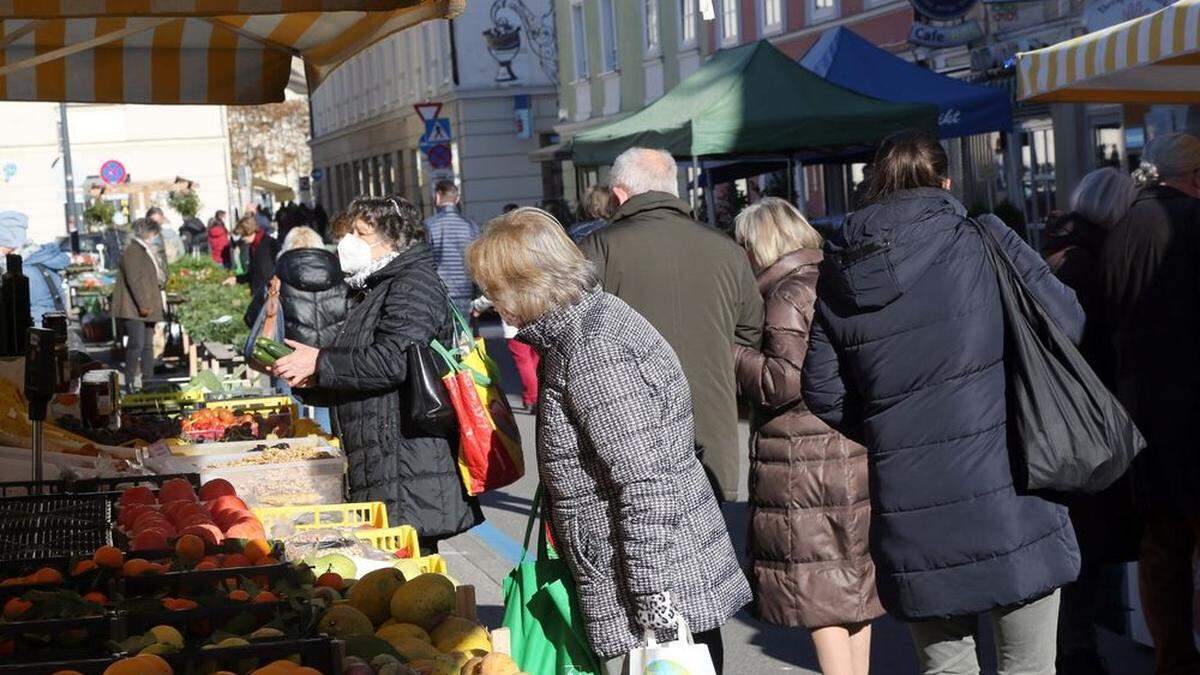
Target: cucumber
[
  {"x": 262, "y": 356},
  {"x": 272, "y": 347}
]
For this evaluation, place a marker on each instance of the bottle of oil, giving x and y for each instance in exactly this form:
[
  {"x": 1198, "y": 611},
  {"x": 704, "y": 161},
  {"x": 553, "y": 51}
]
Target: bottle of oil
[{"x": 18, "y": 317}]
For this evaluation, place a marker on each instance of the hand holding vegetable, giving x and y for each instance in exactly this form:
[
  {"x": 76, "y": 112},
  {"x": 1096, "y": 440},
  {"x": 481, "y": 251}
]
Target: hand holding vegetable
[{"x": 298, "y": 366}]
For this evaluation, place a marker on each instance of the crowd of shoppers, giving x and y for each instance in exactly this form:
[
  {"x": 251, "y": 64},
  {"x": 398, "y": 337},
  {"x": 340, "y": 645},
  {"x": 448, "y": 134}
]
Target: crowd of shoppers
[{"x": 872, "y": 364}]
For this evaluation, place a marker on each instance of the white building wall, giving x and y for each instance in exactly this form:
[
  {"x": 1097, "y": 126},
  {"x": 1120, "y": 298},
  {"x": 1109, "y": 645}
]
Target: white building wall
[
  {"x": 365, "y": 108},
  {"x": 155, "y": 143}
]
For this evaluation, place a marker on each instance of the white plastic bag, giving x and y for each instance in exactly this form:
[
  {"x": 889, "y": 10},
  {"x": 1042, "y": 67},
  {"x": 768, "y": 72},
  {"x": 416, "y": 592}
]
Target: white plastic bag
[{"x": 681, "y": 657}]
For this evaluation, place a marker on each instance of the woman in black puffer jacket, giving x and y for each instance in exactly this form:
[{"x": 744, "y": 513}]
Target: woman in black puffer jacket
[
  {"x": 312, "y": 294},
  {"x": 906, "y": 357},
  {"x": 400, "y": 301}
]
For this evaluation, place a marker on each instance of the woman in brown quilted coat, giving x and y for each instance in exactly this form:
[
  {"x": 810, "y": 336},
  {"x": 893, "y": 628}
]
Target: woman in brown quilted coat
[{"x": 809, "y": 505}]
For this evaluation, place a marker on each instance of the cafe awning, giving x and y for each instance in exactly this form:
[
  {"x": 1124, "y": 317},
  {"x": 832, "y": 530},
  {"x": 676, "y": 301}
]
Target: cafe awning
[
  {"x": 1151, "y": 59},
  {"x": 188, "y": 51}
]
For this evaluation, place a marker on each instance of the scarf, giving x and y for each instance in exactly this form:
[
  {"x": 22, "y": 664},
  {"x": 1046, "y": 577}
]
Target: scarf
[{"x": 359, "y": 280}]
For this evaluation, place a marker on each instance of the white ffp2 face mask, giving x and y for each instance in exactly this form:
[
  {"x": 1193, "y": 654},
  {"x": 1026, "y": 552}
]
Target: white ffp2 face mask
[{"x": 354, "y": 254}]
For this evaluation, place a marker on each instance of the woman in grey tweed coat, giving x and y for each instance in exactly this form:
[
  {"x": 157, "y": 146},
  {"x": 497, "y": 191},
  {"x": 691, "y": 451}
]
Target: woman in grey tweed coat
[{"x": 629, "y": 505}]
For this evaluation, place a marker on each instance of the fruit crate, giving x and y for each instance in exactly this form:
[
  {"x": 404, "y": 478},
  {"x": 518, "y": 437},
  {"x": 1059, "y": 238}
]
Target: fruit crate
[
  {"x": 59, "y": 525},
  {"x": 393, "y": 540},
  {"x": 315, "y": 516},
  {"x": 69, "y": 638},
  {"x": 22, "y": 488},
  {"x": 300, "y": 617},
  {"x": 322, "y": 653}
]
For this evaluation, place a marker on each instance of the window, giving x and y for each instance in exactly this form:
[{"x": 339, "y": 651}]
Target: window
[
  {"x": 687, "y": 23},
  {"x": 650, "y": 26},
  {"x": 579, "y": 31},
  {"x": 389, "y": 176},
  {"x": 771, "y": 14},
  {"x": 730, "y": 22},
  {"x": 608, "y": 36},
  {"x": 821, "y": 10}
]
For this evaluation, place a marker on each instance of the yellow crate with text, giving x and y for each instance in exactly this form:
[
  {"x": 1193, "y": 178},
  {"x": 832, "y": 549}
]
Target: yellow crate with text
[
  {"x": 315, "y": 516},
  {"x": 393, "y": 539},
  {"x": 258, "y": 404}
]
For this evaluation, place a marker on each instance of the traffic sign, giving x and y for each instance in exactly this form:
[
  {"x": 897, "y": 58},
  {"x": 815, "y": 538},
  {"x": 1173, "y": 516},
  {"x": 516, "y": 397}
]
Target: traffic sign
[
  {"x": 440, "y": 156},
  {"x": 437, "y": 130},
  {"x": 113, "y": 172},
  {"x": 317, "y": 174},
  {"x": 429, "y": 110}
]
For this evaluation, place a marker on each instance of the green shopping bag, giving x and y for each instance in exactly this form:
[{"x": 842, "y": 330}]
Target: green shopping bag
[{"x": 541, "y": 611}]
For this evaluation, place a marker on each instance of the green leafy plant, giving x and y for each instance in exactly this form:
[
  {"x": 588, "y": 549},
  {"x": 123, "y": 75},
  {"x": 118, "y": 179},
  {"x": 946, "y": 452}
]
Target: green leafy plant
[
  {"x": 101, "y": 212},
  {"x": 214, "y": 309},
  {"x": 186, "y": 202}
]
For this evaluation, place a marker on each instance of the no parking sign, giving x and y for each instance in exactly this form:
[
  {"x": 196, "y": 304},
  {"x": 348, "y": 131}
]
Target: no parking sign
[{"x": 113, "y": 172}]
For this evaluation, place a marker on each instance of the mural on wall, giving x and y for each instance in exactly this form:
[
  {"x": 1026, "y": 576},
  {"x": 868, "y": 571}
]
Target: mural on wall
[{"x": 509, "y": 18}]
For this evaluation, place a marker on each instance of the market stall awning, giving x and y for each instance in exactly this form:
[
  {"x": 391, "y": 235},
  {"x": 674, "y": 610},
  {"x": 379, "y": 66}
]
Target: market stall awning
[
  {"x": 188, "y": 51},
  {"x": 751, "y": 100},
  {"x": 844, "y": 58},
  {"x": 281, "y": 193},
  {"x": 1151, "y": 59}
]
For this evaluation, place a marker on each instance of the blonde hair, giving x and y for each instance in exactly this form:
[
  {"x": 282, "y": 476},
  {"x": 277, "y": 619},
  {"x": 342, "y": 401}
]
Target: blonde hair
[
  {"x": 1168, "y": 156},
  {"x": 301, "y": 237},
  {"x": 772, "y": 228},
  {"x": 247, "y": 225},
  {"x": 527, "y": 265}
]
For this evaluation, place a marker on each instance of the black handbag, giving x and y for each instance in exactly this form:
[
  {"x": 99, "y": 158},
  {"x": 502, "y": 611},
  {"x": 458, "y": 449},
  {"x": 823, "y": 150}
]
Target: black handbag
[
  {"x": 426, "y": 408},
  {"x": 1069, "y": 433}
]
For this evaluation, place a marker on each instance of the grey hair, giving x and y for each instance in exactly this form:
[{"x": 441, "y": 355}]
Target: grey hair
[
  {"x": 1103, "y": 196},
  {"x": 144, "y": 228},
  {"x": 1168, "y": 156},
  {"x": 641, "y": 170}
]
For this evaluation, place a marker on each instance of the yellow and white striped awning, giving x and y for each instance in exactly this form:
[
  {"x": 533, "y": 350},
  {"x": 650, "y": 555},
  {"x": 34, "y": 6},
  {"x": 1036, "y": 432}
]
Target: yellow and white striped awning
[
  {"x": 1151, "y": 59},
  {"x": 188, "y": 51}
]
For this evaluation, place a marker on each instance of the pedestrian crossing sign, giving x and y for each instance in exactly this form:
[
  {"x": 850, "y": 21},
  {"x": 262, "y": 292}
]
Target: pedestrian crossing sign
[{"x": 437, "y": 131}]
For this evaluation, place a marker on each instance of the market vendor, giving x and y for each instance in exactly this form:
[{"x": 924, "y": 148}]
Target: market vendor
[
  {"x": 138, "y": 300},
  {"x": 400, "y": 301},
  {"x": 43, "y": 264}
]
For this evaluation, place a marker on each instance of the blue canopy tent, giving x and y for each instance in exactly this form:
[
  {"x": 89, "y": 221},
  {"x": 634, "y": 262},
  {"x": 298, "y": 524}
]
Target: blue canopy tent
[{"x": 844, "y": 58}]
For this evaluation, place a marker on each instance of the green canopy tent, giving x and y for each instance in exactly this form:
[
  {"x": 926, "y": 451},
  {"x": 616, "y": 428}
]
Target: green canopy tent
[{"x": 753, "y": 100}]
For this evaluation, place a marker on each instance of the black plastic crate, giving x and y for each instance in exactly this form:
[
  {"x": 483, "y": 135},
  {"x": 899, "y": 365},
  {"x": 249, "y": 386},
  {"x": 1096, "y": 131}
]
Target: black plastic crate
[
  {"x": 119, "y": 483},
  {"x": 54, "y": 526},
  {"x": 322, "y": 653},
  {"x": 74, "y": 638}
]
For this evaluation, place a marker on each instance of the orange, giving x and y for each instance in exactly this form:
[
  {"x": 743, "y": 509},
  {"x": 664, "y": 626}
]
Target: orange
[
  {"x": 190, "y": 547},
  {"x": 265, "y": 561},
  {"x": 239, "y": 596},
  {"x": 331, "y": 580},
  {"x": 235, "y": 560},
  {"x": 109, "y": 556},
  {"x": 257, "y": 549},
  {"x": 179, "y": 604},
  {"x": 266, "y": 596},
  {"x": 67, "y": 672},
  {"x": 96, "y": 597},
  {"x": 136, "y": 567},
  {"x": 16, "y": 607},
  {"x": 14, "y": 581},
  {"x": 206, "y": 565},
  {"x": 83, "y": 567},
  {"x": 142, "y": 664},
  {"x": 46, "y": 575}
]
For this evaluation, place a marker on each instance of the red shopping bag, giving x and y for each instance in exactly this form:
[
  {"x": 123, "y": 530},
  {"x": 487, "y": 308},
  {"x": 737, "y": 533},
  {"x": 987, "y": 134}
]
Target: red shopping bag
[{"x": 489, "y": 449}]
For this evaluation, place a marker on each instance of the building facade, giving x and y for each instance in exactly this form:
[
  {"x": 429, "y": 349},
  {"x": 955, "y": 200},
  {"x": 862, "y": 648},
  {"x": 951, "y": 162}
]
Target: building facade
[
  {"x": 154, "y": 144},
  {"x": 494, "y": 72}
]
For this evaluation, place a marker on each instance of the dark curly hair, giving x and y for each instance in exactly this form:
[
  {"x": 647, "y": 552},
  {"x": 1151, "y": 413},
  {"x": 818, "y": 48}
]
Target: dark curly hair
[{"x": 395, "y": 219}]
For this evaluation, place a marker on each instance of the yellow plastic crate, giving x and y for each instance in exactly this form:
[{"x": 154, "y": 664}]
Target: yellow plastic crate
[
  {"x": 393, "y": 539},
  {"x": 315, "y": 516}
]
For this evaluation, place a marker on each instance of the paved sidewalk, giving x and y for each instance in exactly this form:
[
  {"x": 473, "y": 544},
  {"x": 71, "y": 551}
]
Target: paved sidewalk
[{"x": 485, "y": 555}]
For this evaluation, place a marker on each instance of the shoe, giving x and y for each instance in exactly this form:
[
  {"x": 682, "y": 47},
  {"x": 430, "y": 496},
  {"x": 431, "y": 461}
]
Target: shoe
[{"x": 1083, "y": 663}]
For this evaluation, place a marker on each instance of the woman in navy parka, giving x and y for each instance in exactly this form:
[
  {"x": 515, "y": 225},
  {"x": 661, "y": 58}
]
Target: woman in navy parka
[{"x": 906, "y": 357}]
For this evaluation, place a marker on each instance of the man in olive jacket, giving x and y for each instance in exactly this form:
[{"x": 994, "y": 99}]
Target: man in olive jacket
[{"x": 693, "y": 284}]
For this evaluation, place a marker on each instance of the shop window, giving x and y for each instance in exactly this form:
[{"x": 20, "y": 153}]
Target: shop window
[
  {"x": 822, "y": 10},
  {"x": 770, "y": 14},
  {"x": 650, "y": 40},
  {"x": 730, "y": 20}
]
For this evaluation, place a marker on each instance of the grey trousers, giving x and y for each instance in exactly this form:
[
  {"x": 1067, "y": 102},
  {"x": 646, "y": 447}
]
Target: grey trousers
[
  {"x": 139, "y": 352},
  {"x": 1025, "y": 635}
]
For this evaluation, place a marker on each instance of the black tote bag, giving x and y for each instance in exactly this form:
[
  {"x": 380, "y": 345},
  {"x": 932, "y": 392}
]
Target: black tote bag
[
  {"x": 426, "y": 407},
  {"x": 1069, "y": 433}
]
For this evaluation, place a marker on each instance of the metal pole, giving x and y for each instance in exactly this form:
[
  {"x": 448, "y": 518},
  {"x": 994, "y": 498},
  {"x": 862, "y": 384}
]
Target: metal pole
[
  {"x": 64, "y": 138},
  {"x": 37, "y": 450},
  {"x": 695, "y": 183}
]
